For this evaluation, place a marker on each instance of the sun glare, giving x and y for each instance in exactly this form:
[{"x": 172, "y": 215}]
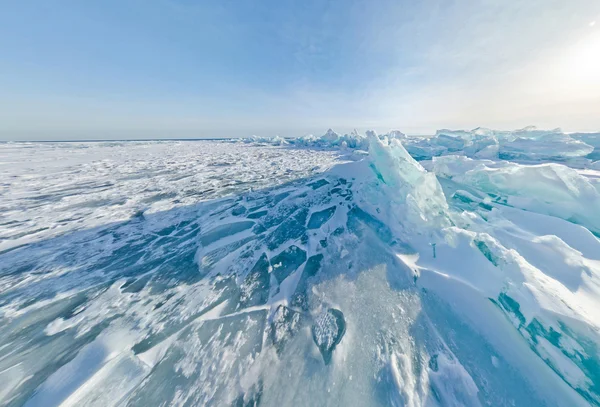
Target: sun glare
[{"x": 582, "y": 62}]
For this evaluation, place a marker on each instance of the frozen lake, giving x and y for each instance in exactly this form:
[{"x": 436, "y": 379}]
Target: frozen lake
[{"x": 309, "y": 272}]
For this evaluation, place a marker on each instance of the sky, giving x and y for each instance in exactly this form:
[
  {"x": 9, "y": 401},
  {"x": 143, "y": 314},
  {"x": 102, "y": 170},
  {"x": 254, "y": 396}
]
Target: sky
[{"x": 72, "y": 69}]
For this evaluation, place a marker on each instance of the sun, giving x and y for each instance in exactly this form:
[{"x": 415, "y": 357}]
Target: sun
[{"x": 582, "y": 61}]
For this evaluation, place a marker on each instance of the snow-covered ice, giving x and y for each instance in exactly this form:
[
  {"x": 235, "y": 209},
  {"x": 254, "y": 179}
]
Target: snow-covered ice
[{"x": 460, "y": 269}]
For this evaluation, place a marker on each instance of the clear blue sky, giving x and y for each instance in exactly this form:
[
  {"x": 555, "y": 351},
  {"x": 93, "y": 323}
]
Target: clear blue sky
[{"x": 182, "y": 68}]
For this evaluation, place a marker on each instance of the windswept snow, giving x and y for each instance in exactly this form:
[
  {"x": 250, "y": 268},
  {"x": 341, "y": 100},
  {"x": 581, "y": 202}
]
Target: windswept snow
[{"x": 461, "y": 269}]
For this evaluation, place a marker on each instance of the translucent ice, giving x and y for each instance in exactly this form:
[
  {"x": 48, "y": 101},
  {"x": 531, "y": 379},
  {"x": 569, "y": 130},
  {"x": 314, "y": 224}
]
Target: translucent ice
[
  {"x": 413, "y": 190},
  {"x": 552, "y": 189}
]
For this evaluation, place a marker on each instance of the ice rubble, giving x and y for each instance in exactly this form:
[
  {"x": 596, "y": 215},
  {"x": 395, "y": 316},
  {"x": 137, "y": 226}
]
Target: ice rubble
[
  {"x": 539, "y": 295},
  {"x": 329, "y": 140},
  {"x": 385, "y": 281},
  {"x": 527, "y": 145},
  {"x": 551, "y": 189},
  {"x": 276, "y": 141}
]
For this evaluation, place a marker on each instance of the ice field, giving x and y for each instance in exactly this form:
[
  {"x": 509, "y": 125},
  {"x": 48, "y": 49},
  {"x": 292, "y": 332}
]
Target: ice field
[{"x": 461, "y": 269}]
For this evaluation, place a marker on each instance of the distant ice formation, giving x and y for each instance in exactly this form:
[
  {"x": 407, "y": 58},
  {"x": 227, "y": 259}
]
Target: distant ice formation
[{"x": 524, "y": 145}]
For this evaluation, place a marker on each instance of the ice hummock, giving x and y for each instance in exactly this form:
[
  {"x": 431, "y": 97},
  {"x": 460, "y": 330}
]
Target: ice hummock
[
  {"x": 526, "y": 145},
  {"x": 388, "y": 280},
  {"x": 551, "y": 189},
  {"x": 416, "y": 192}
]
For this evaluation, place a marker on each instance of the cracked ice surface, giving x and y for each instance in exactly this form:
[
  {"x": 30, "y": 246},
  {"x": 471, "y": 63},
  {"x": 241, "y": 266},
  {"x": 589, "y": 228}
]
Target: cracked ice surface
[
  {"x": 51, "y": 188},
  {"x": 301, "y": 272}
]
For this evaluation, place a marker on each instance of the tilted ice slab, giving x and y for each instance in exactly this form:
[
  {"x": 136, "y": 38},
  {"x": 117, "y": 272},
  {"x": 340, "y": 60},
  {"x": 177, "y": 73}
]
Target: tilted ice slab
[
  {"x": 551, "y": 189},
  {"x": 528, "y": 144},
  {"x": 548, "y": 147},
  {"x": 376, "y": 282}
]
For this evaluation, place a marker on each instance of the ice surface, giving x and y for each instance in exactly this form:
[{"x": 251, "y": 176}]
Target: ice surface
[
  {"x": 552, "y": 189},
  {"x": 461, "y": 269}
]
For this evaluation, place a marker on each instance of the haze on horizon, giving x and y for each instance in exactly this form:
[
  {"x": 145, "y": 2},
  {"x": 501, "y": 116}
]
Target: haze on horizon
[{"x": 179, "y": 68}]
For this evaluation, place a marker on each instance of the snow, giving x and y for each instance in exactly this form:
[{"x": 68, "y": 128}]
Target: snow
[{"x": 458, "y": 269}]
